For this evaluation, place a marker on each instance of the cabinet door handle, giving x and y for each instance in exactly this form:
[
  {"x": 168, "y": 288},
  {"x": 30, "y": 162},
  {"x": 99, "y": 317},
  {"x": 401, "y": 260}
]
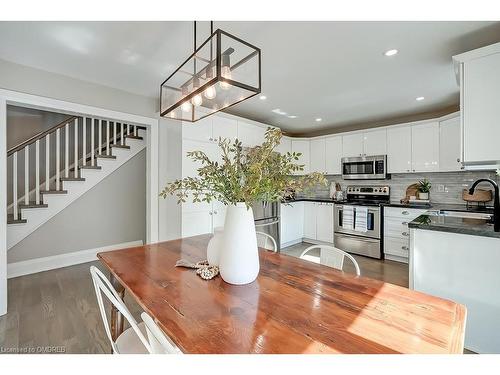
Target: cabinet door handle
[
  {"x": 215, "y": 212},
  {"x": 404, "y": 247},
  {"x": 458, "y": 160},
  {"x": 405, "y": 234},
  {"x": 404, "y": 223},
  {"x": 210, "y": 213},
  {"x": 405, "y": 212}
]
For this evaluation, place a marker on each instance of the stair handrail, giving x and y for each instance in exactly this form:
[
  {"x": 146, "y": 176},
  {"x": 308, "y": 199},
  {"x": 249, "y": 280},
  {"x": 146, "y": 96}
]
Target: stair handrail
[{"x": 40, "y": 135}]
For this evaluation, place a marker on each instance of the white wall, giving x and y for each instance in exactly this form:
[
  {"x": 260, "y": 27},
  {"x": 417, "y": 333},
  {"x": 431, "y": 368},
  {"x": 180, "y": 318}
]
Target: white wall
[
  {"x": 112, "y": 212},
  {"x": 169, "y": 169},
  {"x": 51, "y": 85}
]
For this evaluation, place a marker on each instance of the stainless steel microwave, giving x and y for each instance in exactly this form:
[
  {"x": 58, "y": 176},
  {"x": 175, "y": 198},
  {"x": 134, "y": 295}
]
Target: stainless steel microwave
[{"x": 365, "y": 168}]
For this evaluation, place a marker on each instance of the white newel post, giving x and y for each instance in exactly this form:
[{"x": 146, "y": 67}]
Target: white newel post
[
  {"x": 3, "y": 206},
  {"x": 239, "y": 257}
]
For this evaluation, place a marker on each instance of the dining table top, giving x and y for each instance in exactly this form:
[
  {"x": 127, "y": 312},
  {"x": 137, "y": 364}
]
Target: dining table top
[{"x": 294, "y": 306}]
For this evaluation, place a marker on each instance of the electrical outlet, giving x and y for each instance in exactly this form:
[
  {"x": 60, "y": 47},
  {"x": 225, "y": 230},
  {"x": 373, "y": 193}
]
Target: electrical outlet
[{"x": 441, "y": 188}]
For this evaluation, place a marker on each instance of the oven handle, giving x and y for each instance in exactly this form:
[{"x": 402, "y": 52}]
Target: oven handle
[
  {"x": 357, "y": 238},
  {"x": 266, "y": 224}
]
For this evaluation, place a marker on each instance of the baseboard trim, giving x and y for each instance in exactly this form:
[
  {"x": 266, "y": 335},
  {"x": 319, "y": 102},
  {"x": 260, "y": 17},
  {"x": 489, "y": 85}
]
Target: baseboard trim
[
  {"x": 395, "y": 258},
  {"x": 27, "y": 267},
  {"x": 290, "y": 243}
]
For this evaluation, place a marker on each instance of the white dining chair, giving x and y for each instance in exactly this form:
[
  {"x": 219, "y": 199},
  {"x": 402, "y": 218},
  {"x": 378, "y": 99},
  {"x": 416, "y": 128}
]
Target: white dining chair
[
  {"x": 132, "y": 340},
  {"x": 266, "y": 241},
  {"x": 159, "y": 342},
  {"x": 331, "y": 256}
]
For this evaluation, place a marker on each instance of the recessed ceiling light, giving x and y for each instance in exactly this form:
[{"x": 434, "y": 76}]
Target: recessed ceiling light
[
  {"x": 292, "y": 116},
  {"x": 318, "y": 119},
  {"x": 279, "y": 111},
  {"x": 262, "y": 97},
  {"x": 419, "y": 99},
  {"x": 391, "y": 52}
]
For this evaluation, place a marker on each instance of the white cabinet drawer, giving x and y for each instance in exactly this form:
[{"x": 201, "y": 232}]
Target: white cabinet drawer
[
  {"x": 396, "y": 227},
  {"x": 396, "y": 246},
  {"x": 405, "y": 214}
]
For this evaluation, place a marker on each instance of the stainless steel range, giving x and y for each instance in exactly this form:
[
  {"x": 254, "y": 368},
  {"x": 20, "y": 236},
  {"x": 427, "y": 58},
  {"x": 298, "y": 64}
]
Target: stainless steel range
[{"x": 358, "y": 220}]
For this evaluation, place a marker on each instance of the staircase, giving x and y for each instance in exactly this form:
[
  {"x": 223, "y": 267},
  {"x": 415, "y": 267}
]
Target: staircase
[{"x": 54, "y": 168}]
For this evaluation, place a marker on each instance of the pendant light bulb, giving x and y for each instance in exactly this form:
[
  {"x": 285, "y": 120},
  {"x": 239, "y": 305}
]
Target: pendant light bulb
[
  {"x": 226, "y": 73},
  {"x": 210, "y": 92},
  {"x": 186, "y": 106},
  {"x": 197, "y": 100}
]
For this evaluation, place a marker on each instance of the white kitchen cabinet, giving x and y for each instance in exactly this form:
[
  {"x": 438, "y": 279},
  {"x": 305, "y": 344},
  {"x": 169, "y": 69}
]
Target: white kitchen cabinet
[
  {"x": 291, "y": 223},
  {"x": 333, "y": 155},
  {"x": 318, "y": 156},
  {"x": 324, "y": 222},
  {"x": 302, "y": 146},
  {"x": 250, "y": 135},
  {"x": 196, "y": 223},
  {"x": 198, "y": 131},
  {"x": 310, "y": 220},
  {"x": 375, "y": 142},
  {"x": 352, "y": 145},
  {"x": 223, "y": 127},
  {"x": 449, "y": 145},
  {"x": 480, "y": 97},
  {"x": 399, "y": 149},
  {"x": 189, "y": 167},
  {"x": 425, "y": 147},
  {"x": 285, "y": 146}
]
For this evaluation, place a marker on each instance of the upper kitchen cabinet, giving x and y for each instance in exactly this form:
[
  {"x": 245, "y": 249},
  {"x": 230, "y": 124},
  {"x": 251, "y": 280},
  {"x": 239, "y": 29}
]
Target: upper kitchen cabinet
[
  {"x": 223, "y": 127},
  {"x": 285, "y": 146},
  {"x": 352, "y": 145},
  {"x": 479, "y": 76},
  {"x": 375, "y": 142},
  {"x": 399, "y": 149},
  {"x": 449, "y": 145},
  {"x": 302, "y": 146},
  {"x": 189, "y": 167},
  {"x": 333, "y": 155},
  {"x": 318, "y": 156},
  {"x": 250, "y": 135},
  {"x": 198, "y": 131},
  {"x": 425, "y": 147}
]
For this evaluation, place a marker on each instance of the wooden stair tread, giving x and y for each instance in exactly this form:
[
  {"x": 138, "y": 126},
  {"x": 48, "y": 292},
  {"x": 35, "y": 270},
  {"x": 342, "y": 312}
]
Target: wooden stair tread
[
  {"x": 12, "y": 220},
  {"x": 72, "y": 179},
  {"x": 32, "y": 205},
  {"x": 89, "y": 167},
  {"x": 104, "y": 156},
  {"x": 54, "y": 192},
  {"x": 134, "y": 137},
  {"x": 120, "y": 146}
]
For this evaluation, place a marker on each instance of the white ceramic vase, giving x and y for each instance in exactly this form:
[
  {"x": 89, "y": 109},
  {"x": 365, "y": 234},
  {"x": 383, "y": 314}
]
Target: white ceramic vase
[
  {"x": 239, "y": 257},
  {"x": 214, "y": 246}
]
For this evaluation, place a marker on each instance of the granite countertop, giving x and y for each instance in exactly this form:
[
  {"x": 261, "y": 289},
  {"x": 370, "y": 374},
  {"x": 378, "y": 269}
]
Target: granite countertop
[{"x": 474, "y": 227}]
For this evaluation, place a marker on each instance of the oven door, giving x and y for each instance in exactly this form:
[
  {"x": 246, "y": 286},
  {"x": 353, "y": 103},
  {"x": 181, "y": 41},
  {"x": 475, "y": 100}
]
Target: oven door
[{"x": 373, "y": 223}]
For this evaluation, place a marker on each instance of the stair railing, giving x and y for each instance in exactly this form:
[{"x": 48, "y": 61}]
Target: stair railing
[{"x": 81, "y": 157}]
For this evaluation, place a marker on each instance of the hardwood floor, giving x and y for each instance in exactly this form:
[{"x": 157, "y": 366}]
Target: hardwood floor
[{"x": 57, "y": 310}]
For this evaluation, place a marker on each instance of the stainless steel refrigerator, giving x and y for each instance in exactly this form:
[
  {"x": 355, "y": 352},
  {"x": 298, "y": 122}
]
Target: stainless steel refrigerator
[{"x": 267, "y": 219}]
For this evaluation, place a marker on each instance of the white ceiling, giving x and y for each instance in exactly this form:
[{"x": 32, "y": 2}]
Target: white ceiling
[{"x": 333, "y": 70}]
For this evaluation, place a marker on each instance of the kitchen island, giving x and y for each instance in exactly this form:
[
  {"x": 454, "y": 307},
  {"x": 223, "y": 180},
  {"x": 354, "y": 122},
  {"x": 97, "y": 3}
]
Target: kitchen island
[{"x": 458, "y": 258}]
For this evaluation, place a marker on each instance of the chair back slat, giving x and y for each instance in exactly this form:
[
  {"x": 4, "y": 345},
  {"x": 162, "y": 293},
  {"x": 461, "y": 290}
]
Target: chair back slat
[{"x": 332, "y": 257}]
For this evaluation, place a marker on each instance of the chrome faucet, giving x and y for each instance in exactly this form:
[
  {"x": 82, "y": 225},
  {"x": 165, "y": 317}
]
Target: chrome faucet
[{"x": 496, "y": 205}]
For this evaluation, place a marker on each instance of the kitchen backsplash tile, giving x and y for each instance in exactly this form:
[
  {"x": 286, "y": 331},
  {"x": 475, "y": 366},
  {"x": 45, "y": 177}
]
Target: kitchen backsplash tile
[{"x": 453, "y": 182}]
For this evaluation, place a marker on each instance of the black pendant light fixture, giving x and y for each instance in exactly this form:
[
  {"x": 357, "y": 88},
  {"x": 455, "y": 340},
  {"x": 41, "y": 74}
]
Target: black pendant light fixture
[{"x": 221, "y": 72}]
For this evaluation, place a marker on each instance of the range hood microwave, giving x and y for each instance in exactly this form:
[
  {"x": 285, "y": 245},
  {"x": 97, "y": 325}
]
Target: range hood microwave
[{"x": 365, "y": 168}]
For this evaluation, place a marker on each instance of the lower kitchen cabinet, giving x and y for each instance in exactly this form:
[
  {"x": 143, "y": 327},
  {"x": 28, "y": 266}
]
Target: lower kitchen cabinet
[
  {"x": 324, "y": 222},
  {"x": 291, "y": 223},
  {"x": 310, "y": 220},
  {"x": 397, "y": 233},
  {"x": 318, "y": 221},
  {"x": 202, "y": 218}
]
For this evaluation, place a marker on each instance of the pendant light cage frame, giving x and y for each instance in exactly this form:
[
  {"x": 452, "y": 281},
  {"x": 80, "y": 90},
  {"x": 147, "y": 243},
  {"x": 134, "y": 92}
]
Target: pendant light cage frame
[{"x": 223, "y": 71}]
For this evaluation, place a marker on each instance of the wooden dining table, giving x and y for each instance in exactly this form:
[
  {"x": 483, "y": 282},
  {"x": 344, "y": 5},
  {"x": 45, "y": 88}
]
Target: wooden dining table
[{"x": 294, "y": 306}]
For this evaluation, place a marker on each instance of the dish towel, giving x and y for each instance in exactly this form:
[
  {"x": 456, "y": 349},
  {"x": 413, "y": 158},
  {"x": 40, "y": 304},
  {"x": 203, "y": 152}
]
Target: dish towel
[
  {"x": 348, "y": 217},
  {"x": 361, "y": 223}
]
